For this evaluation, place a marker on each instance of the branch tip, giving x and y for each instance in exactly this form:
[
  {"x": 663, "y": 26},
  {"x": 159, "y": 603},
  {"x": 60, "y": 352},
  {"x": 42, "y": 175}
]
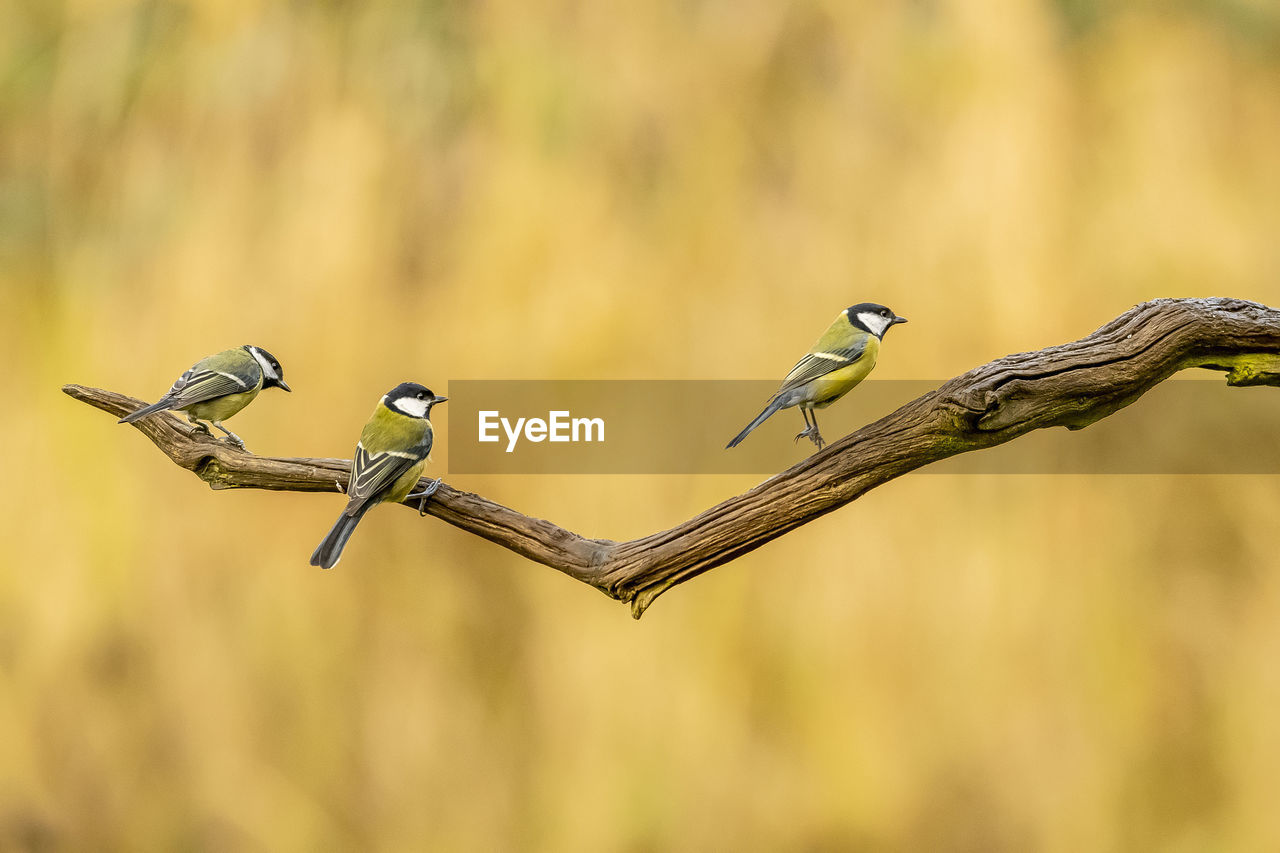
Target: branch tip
[{"x": 1071, "y": 385}]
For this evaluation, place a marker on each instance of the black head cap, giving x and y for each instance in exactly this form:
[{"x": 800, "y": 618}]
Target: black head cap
[
  {"x": 873, "y": 317},
  {"x": 272, "y": 372},
  {"x": 412, "y": 399}
]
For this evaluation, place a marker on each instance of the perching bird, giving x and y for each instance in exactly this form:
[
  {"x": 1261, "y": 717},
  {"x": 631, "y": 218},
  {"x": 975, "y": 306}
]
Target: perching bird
[
  {"x": 217, "y": 387},
  {"x": 389, "y": 459},
  {"x": 841, "y": 358}
]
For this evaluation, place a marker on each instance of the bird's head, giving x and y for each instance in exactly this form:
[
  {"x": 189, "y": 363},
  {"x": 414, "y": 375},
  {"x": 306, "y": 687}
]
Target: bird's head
[
  {"x": 872, "y": 317},
  {"x": 412, "y": 399},
  {"x": 272, "y": 374}
]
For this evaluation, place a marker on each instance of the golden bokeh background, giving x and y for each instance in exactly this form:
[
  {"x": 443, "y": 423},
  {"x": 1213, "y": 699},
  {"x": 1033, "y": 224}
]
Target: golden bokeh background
[{"x": 680, "y": 189}]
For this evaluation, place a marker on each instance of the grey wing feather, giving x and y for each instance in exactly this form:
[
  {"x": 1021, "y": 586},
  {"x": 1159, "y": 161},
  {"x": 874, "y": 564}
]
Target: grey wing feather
[
  {"x": 197, "y": 386},
  {"x": 815, "y": 365},
  {"x": 374, "y": 473}
]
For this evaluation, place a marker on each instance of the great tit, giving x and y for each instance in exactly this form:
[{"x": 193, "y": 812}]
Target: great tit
[
  {"x": 390, "y": 456},
  {"x": 841, "y": 358},
  {"x": 217, "y": 387}
]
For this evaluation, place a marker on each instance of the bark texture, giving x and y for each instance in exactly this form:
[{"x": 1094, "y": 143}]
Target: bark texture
[{"x": 1071, "y": 385}]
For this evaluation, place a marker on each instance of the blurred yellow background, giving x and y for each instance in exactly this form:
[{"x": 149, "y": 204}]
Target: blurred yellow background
[{"x": 439, "y": 190}]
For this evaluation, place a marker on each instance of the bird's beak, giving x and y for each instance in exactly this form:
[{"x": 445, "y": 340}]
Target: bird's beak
[
  {"x": 897, "y": 320},
  {"x": 280, "y": 382},
  {"x": 439, "y": 400}
]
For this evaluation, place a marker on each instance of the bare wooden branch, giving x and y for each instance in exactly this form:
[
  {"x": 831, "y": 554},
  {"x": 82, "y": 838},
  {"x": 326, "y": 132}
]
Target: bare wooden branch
[{"x": 1071, "y": 385}]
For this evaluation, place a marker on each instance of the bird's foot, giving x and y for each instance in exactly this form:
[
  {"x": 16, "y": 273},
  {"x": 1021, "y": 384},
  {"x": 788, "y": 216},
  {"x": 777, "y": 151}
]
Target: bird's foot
[
  {"x": 199, "y": 427},
  {"x": 813, "y": 435},
  {"x": 232, "y": 439},
  {"x": 423, "y": 495}
]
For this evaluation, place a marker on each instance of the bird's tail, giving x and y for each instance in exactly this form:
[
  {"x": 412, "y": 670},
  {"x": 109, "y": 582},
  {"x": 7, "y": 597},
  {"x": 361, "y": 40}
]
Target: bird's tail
[
  {"x": 329, "y": 551},
  {"x": 144, "y": 411},
  {"x": 774, "y": 405}
]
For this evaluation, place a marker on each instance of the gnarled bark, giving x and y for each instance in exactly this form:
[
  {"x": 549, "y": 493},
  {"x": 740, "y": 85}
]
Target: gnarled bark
[{"x": 1071, "y": 385}]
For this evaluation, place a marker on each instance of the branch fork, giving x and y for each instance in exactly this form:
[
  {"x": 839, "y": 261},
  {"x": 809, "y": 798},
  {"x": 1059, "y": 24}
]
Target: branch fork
[{"x": 1071, "y": 385}]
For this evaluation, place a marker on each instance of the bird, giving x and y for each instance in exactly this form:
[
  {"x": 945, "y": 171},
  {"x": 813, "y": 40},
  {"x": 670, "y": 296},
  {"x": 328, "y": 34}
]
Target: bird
[
  {"x": 840, "y": 359},
  {"x": 217, "y": 387},
  {"x": 389, "y": 459}
]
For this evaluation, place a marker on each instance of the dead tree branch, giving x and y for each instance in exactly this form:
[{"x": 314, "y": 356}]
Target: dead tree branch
[{"x": 1071, "y": 385}]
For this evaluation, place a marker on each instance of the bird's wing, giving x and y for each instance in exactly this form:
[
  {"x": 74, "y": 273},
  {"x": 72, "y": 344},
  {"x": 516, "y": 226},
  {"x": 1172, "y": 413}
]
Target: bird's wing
[
  {"x": 374, "y": 473},
  {"x": 200, "y": 384},
  {"x": 817, "y": 364}
]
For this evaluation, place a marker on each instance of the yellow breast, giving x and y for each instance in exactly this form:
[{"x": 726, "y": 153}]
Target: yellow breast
[
  {"x": 223, "y": 407},
  {"x": 825, "y": 390},
  {"x": 405, "y": 483}
]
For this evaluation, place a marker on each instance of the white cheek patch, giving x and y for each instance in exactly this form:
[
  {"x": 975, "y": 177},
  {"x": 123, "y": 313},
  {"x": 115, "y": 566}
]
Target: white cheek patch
[
  {"x": 267, "y": 369},
  {"x": 413, "y": 407},
  {"x": 875, "y": 322}
]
